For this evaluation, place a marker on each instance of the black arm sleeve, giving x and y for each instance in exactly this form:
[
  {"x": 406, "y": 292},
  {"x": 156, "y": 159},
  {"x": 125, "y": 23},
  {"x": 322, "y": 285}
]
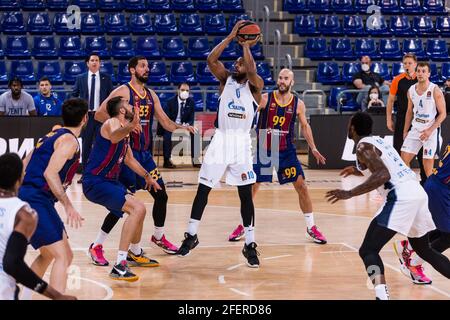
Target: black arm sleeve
[{"x": 15, "y": 266}]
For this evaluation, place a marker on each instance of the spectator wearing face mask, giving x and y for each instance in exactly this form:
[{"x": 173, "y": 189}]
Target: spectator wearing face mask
[
  {"x": 446, "y": 90},
  {"x": 374, "y": 100},
  {"x": 366, "y": 78}
]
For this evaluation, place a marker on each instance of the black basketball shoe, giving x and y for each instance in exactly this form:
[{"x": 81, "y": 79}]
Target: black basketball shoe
[
  {"x": 189, "y": 243},
  {"x": 251, "y": 254}
]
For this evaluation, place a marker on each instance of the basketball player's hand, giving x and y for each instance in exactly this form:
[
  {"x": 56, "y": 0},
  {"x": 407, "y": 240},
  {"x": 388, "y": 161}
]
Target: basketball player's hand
[
  {"x": 319, "y": 157},
  {"x": 390, "y": 124},
  {"x": 191, "y": 129},
  {"x": 334, "y": 196},
  {"x": 151, "y": 183},
  {"x": 350, "y": 171},
  {"x": 249, "y": 43},
  {"x": 425, "y": 134},
  {"x": 136, "y": 123},
  {"x": 74, "y": 219},
  {"x": 234, "y": 32}
]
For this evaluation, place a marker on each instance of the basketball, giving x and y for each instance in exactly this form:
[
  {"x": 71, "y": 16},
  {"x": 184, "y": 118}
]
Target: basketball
[{"x": 249, "y": 31}]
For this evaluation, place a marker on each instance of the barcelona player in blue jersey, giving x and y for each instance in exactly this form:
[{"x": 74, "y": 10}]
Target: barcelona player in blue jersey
[
  {"x": 49, "y": 171},
  {"x": 276, "y": 148},
  {"x": 148, "y": 106}
]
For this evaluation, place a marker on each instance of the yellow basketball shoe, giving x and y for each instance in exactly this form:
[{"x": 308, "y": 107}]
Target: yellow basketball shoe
[{"x": 140, "y": 260}]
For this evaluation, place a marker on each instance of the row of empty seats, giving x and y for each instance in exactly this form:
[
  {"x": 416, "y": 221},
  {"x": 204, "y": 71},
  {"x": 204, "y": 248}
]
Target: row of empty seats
[
  {"x": 342, "y": 49},
  {"x": 122, "y": 47},
  {"x": 116, "y": 23},
  {"x": 158, "y": 75},
  {"x": 435, "y": 7},
  {"x": 329, "y": 73},
  {"x": 128, "y": 5},
  {"x": 353, "y": 25}
]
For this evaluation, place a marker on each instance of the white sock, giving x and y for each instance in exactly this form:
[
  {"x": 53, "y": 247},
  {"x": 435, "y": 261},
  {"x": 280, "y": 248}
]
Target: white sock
[
  {"x": 249, "y": 234},
  {"x": 159, "y": 232},
  {"x": 381, "y": 292},
  {"x": 309, "y": 219},
  {"x": 193, "y": 226},
  {"x": 135, "y": 248},
  {"x": 101, "y": 237},
  {"x": 26, "y": 294},
  {"x": 121, "y": 256}
]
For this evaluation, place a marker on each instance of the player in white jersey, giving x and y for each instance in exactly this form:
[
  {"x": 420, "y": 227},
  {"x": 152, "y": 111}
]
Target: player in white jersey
[
  {"x": 426, "y": 111},
  {"x": 405, "y": 209},
  {"x": 17, "y": 224},
  {"x": 230, "y": 151}
]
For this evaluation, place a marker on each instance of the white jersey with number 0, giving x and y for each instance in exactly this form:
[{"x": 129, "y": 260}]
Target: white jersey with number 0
[{"x": 424, "y": 107}]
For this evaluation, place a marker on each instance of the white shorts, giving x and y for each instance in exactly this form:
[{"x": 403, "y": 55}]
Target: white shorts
[
  {"x": 405, "y": 211},
  {"x": 230, "y": 154},
  {"x": 431, "y": 146}
]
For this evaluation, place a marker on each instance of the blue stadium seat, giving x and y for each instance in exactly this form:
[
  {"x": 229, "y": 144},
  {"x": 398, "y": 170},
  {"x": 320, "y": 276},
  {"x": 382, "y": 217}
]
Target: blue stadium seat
[
  {"x": 263, "y": 70},
  {"x": 230, "y": 52},
  {"x": 231, "y": 6},
  {"x": 215, "y": 24},
  {"x": 24, "y": 70},
  {"x": 39, "y": 23},
  {"x": 328, "y": 73},
  {"x": 443, "y": 25},
  {"x": 73, "y": 69},
  {"x": 115, "y": 23},
  {"x": 390, "y": 49},
  {"x": 411, "y": 6},
  {"x": 330, "y": 25},
  {"x": 85, "y": 5},
  {"x": 32, "y": 5},
  {"x": 110, "y": 5},
  {"x": 437, "y": 50},
  {"x": 353, "y": 26},
  {"x": 366, "y": 47},
  {"x": 165, "y": 94},
  {"x": 60, "y": 24},
  {"x": 296, "y": 6},
  {"x": 341, "y": 49},
  {"x": 44, "y": 48},
  {"x": 57, "y": 5},
  {"x": 382, "y": 69},
  {"x": 91, "y": 23},
  {"x": 349, "y": 69},
  {"x": 319, "y": 6},
  {"x": 51, "y": 70},
  {"x": 166, "y": 23},
  {"x": 134, "y": 5},
  {"x": 346, "y": 100},
  {"x": 204, "y": 75},
  {"x": 148, "y": 47},
  {"x": 197, "y": 95},
  {"x": 123, "y": 75},
  {"x": 2, "y": 54},
  {"x": 232, "y": 19},
  {"x": 207, "y": 5},
  {"x": 305, "y": 25},
  {"x": 362, "y": 5},
  {"x": 70, "y": 47},
  {"x": 182, "y": 72},
  {"x": 400, "y": 26},
  {"x": 3, "y": 75},
  {"x": 173, "y": 48},
  {"x": 98, "y": 45},
  {"x": 397, "y": 68},
  {"x": 316, "y": 49},
  {"x": 342, "y": 6},
  {"x": 122, "y": 47},
  {"x": 12, "y": 23},
  {"x": 108, "y": 68},
  {"x": 423, "y": 26},
  {"x": 17, "y": 47},
  {"x": 190, "y": 23},
  {"x": 158, "y": 73},
  {"x": 434, "y": 74},
  {"x": 183, "y": 5},
  {"x": 158, "y": 5},
  {"x": 414, "y": 46},
  {"x": 445, "y": 71},
  {"x": 198, "y": 47},
  {"x": 434, "y": 7},
  {"x": 141, "y": 23},
  {"x": 212, "y": 99},
  {"x": 389, "y": 6},
  {"x": 379, "y": 28},
  {"x": 9, "y": 5}
]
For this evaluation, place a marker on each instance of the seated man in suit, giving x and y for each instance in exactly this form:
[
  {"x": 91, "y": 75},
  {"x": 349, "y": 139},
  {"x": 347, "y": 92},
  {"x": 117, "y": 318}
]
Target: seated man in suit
[{"x": 181, "y": 110}]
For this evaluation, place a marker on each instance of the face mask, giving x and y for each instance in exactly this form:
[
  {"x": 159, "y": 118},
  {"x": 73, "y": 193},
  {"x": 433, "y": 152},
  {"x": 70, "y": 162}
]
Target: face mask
[
  {"x": 365, "y": 67},
  {"x": 184, "y": 95},
  {"x": 373, "y": 96}
]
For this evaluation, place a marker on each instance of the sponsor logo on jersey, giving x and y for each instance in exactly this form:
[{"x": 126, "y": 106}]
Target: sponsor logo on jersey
[
  {"x": 233, "y": 106},
  {"x": 236, "y": 115}
]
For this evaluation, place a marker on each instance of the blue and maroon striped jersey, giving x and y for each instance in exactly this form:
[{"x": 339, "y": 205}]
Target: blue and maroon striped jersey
[{"x": 442, "y": 172}]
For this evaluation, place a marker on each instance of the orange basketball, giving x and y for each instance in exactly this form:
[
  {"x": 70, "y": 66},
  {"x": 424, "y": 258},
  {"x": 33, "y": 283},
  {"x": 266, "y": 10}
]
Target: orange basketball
[{"x": 249, "y": 31}]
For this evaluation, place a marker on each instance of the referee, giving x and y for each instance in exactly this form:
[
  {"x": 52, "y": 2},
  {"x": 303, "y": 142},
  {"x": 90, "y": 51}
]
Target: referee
[{"x": 399, "y": 89}]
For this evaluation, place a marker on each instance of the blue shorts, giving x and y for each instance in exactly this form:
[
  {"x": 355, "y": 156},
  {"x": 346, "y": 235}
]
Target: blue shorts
[
  {"x": 50, "y": 228},
  {"x": 438, "y": 202},
  {"x": 131, "y": 180},
  {"x": 288, "y": 168},
  {"x": 108, "y": 193}
]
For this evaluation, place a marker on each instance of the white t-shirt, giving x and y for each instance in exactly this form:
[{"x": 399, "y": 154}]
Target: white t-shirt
[
  {"x": 424, "y": 107},
  {"x": 20, "y": 107}
]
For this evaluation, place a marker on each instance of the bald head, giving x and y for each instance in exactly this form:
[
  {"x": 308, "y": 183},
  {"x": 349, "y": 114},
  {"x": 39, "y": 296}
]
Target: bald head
[{"x": 285, "y": 80}]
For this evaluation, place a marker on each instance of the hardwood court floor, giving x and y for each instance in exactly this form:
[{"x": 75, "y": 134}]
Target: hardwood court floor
[{"x": 291, "y": 266}]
